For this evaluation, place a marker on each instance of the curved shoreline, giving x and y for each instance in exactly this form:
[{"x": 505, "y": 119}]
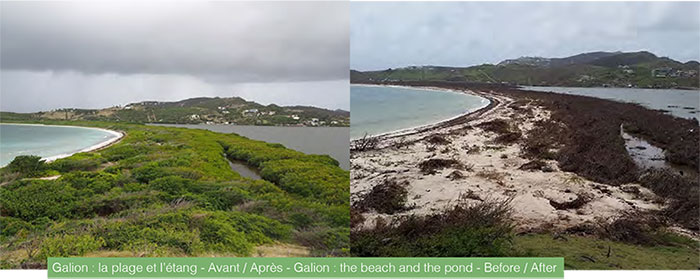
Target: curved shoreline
[
  {"x": 118, "y": 136},
  {"x": 492, "y": 102}
]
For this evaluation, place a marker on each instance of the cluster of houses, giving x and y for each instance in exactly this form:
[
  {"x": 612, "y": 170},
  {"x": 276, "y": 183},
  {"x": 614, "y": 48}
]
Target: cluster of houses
[
  {"x": 132, "y": 105},
  {"x": 256, "y": 113},
  {"x": 668, "y": 72},
  {"x": 317, "y": 122},
  {"x": 626, "y": 69}
]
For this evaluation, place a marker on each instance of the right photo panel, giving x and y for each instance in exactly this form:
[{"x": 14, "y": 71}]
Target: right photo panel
[{"x": 532, "y": 129}]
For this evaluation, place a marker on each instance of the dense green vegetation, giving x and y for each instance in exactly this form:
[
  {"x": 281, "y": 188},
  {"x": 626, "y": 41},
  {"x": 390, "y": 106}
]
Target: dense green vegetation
[
  {"x": 170, "y": 192},
  {"x": 585, "y": 70},
  {"x": 232, "y": 110}
]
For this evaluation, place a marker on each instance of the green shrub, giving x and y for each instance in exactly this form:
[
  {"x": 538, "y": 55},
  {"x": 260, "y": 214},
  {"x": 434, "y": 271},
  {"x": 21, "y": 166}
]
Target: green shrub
[
  {"x": 10, "y": 226},
  {"x": 95, "y": 182},
  {"x": 29, "y": 200},
  {"x": 171, "y": 184},
  {"x": 276, "y": 145},
  {"x": 79, "y": 161},
  {"x": 328, "y": 183},
  {"x": 186, "y": 240},
  {"x": 69, "y": 245},
  {"x": 222, "y": 237},
  {"x": 28, "y": 166},
  {"x": 167, "y": 230},
  {"x": 226, "y": 198},
  {"x": 148, "y": 172},
  {"x": 325, "y": 241},
  {"x": 258, "y": 229},
  {"x": 115, "y": 202},
  {"x": 122, "y": 151}
]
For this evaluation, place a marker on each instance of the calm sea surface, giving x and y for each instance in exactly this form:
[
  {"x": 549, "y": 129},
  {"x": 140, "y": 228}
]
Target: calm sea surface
[
  {"x": 680, "y": 103},
  {"x": 48, "y": 142},
  {"x": 332, "y": 141},
  {"x": 376, "y": 110}
]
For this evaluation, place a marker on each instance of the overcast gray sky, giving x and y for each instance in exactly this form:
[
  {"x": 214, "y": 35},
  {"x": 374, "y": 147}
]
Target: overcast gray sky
[
  {"x": 391, "y": 34},
  {"x": 101, "y": 54}
]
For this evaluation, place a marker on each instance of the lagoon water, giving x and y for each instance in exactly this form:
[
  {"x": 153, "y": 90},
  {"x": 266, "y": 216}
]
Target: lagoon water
[
  {"x": 332, "y": 141},
  {"x": 48, "y": 142},
  {"x": 377, "y": 109},
  {"x": 680, "y": 103}
]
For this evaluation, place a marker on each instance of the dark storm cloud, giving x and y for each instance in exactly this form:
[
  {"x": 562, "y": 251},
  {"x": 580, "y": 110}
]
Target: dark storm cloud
[
  {"x": 218, "y": 42},
  {"x": 96, "y": 55}
]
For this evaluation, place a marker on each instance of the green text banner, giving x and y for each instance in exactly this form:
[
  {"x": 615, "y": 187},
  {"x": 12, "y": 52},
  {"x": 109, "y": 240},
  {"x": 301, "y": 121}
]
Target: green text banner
[{"x": 305, "y": 267}]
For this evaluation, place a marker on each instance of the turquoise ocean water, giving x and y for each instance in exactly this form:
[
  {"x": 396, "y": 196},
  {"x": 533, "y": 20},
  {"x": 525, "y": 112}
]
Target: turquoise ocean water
[
  {"x": 376, "y": 110},
  {"x": 47, "y": 141}
]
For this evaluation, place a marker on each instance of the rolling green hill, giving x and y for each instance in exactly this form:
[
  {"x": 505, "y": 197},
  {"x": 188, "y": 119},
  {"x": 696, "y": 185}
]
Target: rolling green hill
[
  {"x": 230, "y": 110},
  {"x": 596, "y": 69}
]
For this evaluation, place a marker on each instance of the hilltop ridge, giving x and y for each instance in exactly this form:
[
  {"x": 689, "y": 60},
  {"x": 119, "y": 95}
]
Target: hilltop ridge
[
  {"x": 641, "y": 69},
  {"x": 211, "y": 110}
]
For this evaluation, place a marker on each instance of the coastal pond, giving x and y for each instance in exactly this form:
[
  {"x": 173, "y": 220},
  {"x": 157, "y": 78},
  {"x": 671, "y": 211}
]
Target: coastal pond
[
  {"x": 243, "y": 169},
  {"x": 332, "y": 141},
  {"x": 645, "y": 155},
  {"x": 680, "y": 103}
]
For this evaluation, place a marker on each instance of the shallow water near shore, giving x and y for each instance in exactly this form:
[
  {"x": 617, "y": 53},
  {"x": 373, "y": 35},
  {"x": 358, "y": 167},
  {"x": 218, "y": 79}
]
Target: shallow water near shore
[
  {"x": 48, "y": 142},
  {"x": 332, "y": 141},
  {"x": 377, "y": 109},
  {"x": 680, "y": 103},
  {"x": 647, "y": 156},
  {"x": 243, "y": 169}
]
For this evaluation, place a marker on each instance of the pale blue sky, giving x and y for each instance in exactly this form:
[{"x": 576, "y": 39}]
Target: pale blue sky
[{"x": 395, "y": 34}]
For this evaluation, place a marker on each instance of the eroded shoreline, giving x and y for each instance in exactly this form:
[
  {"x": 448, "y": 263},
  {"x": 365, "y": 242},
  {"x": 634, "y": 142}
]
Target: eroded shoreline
[{"x": 544, "y": 198}]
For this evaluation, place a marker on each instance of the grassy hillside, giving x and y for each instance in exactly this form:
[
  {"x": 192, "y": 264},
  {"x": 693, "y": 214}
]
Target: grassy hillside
[
  {"x": 170, "y": 192},
  {"x": 581, "y": 252},
  {"x": 234, "y": 110},
  {"x": 585, "y": 70}
]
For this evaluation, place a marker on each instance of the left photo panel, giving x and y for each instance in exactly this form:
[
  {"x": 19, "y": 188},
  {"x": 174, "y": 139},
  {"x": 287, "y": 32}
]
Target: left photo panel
[{"x": 173, "y": 129}]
